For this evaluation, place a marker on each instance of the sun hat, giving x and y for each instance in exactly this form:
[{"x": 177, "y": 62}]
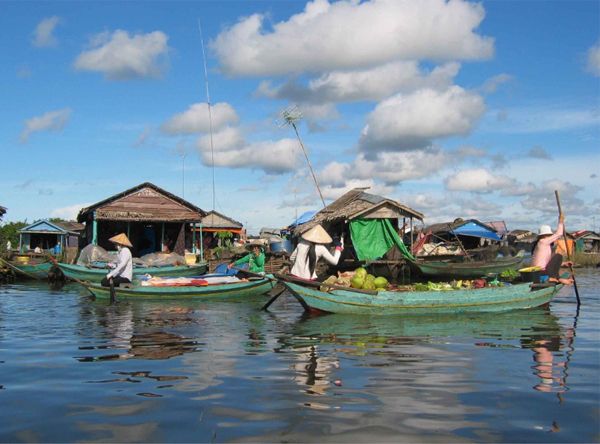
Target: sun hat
[
  {"x": 318, "y": 235},
  {"x": 544, "y": 229},
  {"x": 255, "y": 243},
  {"x": 121, "y": 239}
]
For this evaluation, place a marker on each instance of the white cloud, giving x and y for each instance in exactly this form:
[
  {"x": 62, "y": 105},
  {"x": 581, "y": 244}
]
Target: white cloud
[
  {"x": 123, "y": 57},
  {"x": 331, "y": 192},
  {"x": 390, "y": 168},
  {"x": 492, "y": 84},
  {"x": 370, "y": 84},
  {"x": 232, "y": 151},
  {"x": 43, "y": 34},
  {"x": 196, "y": 119},
  {"x": 348, "y": 35},
  {"x": 593, "y": 60},
  {"x": 70, "y": 212},
  {"x": 407, "y": 122},
  {"x": 50, "y": 121},
  {"x": 478, "y": 180}
]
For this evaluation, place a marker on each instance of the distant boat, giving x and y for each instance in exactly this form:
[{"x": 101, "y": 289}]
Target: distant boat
[
  {"x": 31, "y": 268},
  {"x": 253, "y": 286},
  {"x": 94, "y": 274},
  {"x": 466, "y": 269},
  {"x": 352, "y": 301}
]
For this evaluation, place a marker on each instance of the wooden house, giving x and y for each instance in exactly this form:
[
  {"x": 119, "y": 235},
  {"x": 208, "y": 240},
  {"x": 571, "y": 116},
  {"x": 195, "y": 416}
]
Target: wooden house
[
  {"x": 214, "y": 223},
  {"x": 51, "y": 237},
  {"x": 587, "y": 241},
  {"x": 153, "y": 219},
  {"x": 358, "y": 205}
]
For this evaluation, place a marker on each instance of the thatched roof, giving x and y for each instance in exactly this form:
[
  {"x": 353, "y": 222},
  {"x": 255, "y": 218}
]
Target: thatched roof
[{"x": 357, "y": 203}]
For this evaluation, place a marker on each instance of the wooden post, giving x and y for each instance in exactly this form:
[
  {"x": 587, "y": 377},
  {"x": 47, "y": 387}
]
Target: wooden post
[{"x": 94, "y": 230}]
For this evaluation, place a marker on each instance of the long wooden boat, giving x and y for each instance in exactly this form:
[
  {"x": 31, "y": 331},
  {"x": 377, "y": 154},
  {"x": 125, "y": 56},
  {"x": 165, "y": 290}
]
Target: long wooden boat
[
  {"x": 92, "y": 274},
  {"x": 350, "y": 301},
  {"x": 253, "y": 286},
  {"x": 30, "y": 269},
  {"x": 466, "y": 269}
]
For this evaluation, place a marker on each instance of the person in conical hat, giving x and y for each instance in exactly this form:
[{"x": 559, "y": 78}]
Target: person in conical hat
[
  {"x": 542, "y": 252},
  {"x": 122, "y": 269},
  {"x": 310, "y": 249},
  {"x": 121, "y": 239}
]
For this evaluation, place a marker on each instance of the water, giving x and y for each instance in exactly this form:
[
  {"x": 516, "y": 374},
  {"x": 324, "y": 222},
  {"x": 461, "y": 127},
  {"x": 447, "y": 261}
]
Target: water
[{"x": 74, "y": 369}]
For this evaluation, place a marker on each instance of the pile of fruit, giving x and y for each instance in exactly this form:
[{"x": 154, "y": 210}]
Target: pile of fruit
[
  {"x": 359, "y": 279},
  {"x": 456, "y": 285}
]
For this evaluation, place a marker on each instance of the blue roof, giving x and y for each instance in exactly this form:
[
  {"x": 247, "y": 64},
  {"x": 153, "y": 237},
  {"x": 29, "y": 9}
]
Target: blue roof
[
  {"x": 476, "y": 230},
  {"x": 43, "y": 226},
  {"x": 304, "y": 217}
]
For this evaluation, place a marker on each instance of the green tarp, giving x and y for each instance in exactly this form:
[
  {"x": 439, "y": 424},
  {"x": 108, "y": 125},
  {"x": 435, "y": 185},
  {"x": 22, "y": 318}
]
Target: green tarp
[{"x": 372, "y": 238}]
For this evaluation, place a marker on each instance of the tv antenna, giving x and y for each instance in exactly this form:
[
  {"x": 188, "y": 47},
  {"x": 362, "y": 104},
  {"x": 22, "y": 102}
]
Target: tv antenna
[{"x": 290, "y": 116}]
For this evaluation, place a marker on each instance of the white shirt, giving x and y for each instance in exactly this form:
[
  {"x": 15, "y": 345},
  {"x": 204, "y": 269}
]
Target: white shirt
[
  {"x": 300, "y": 259},
  {"x": 124, "y": 266}
]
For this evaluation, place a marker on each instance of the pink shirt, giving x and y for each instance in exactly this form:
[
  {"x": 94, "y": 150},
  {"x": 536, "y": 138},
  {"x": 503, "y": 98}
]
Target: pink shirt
[{"x": 543, "y": 249}]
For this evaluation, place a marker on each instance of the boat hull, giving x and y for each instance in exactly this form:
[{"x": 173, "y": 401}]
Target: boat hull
[
  {"x": 79, "y": 272},
  {"x": 241, "y": 290},
  {"x": 466, "y": 270},
  {"x": 489, "y": 299},
  {"x": 31, "y": 271}
]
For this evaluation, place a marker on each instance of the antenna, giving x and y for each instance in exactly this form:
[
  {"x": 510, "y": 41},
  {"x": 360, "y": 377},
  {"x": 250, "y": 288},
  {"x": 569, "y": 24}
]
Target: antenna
[
  {"x": 290, "y": 116},
  {"x": 212, "y": 149}
]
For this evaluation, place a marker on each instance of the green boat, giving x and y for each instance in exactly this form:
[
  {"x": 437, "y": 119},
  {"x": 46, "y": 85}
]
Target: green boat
[
  {"x": 253, "y": 286},
  {"x": 466, "y": 269},
  {"x": 94, "y": 274},
  {"x": 352, "y": 301},
  {"x": 30, "y": 270}
]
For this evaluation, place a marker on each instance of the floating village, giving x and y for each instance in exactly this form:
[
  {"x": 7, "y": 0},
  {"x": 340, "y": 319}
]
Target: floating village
[{"x": 362, "y": 253}]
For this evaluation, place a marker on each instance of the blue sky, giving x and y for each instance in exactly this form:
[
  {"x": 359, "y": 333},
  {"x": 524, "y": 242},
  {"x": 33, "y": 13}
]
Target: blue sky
[{"x": 456, "y": 109}]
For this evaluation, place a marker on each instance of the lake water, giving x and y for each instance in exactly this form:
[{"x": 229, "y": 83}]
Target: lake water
[{"x": 73, "y": 369}]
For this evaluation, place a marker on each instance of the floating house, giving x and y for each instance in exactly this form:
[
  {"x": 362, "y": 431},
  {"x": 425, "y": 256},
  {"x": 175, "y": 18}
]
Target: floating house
[
  {"x": 587, "y": 241},
  {"x": 153, "y": 219},
  {"x": 54, "y": 237},
  {"x": 372, "y": 226},
  {"x": 214, "y": 223}
]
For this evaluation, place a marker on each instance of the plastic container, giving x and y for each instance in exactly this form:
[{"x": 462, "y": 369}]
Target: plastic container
[{"x": 531, "y": 276}]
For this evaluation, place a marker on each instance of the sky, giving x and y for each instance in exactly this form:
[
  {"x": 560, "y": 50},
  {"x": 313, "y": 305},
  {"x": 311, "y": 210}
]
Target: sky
[{"x": 454, "y": 108}]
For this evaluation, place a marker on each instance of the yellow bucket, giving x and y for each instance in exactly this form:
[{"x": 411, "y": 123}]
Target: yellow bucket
[
  {"x": 190, "y": 258},
  {"x": 22, "y": 259}
]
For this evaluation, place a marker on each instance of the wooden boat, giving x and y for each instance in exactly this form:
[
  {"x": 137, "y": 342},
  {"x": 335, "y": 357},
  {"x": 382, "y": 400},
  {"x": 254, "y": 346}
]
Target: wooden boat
[
  {"x": 92, "y": 274},
  {"x": 253, "y": 286},
  {"x": 352, "y": 301},
  {"x": 466, "y": 269},
  {"x": 32, "y": 269}
]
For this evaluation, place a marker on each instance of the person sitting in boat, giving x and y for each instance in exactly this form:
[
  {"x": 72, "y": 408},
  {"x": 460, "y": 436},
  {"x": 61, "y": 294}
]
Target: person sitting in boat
[
  {"x": 310, "y": 249},
  {"x": 255, "y": 259},
  {"x": 542, "y": 252},
  {"x": 122, "y": 270}
]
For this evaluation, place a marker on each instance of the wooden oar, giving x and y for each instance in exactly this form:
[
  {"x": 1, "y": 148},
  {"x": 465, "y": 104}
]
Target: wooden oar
[{"x": 567, "y": 248}]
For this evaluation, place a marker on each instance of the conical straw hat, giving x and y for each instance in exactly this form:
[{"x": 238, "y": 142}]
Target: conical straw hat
[
  {"x": 121, "y": 239},
  {"x": 318, "y": 235}
]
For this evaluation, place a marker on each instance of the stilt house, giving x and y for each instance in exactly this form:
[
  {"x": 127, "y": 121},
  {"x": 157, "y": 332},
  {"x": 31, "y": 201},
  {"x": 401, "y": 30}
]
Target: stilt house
[{"x": 153, "y": 219}]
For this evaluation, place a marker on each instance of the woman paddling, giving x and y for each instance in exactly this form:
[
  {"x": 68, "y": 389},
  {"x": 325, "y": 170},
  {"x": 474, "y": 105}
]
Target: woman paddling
[{"x": 542, "y": 252}]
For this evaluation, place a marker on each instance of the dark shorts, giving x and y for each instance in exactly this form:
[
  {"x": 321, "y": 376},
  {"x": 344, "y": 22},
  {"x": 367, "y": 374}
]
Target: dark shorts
[{"x": 117, "y": 280}]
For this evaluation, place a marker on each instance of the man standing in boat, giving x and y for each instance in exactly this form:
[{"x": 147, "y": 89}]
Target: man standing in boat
[{"x": 122, "y": 273}]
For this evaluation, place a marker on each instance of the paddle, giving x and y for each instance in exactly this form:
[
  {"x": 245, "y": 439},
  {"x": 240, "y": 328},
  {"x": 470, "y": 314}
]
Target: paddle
[
  {"x": 568, "y": 250},
  {"x": 280, "y": 289},
  {"x": 113, "y": 293}
]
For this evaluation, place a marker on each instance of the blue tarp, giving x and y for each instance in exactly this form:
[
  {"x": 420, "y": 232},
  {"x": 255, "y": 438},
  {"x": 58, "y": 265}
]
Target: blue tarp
[
  {"x": 304, "y": 217},
  {"x": 476, "y": 230}
]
